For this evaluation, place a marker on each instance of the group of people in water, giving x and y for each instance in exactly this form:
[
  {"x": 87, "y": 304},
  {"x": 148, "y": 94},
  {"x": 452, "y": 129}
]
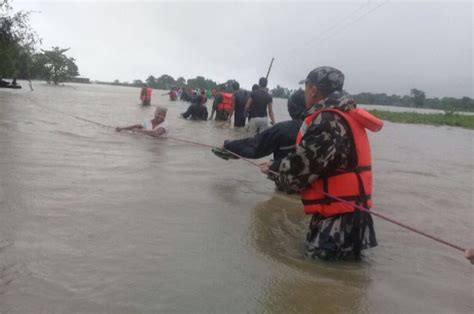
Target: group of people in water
[
  {"x": 3, "y": 83},
  {"x": 322, "y": 153},
  {"x": 236, "y": 103}
]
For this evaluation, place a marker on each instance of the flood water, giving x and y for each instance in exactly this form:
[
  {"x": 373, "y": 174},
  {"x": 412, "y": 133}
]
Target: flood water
[{"x": 94, "y": 221}]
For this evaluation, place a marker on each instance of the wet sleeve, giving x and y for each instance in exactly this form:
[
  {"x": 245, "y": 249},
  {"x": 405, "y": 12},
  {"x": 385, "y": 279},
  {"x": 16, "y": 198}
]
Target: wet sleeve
[
  {"x": 261, "y": 145},
  {"x": 267, "y": 141}
]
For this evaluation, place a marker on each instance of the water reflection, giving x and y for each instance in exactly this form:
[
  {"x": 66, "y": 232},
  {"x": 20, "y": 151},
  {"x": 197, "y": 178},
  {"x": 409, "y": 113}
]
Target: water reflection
[{"x": 304, "y": 285}]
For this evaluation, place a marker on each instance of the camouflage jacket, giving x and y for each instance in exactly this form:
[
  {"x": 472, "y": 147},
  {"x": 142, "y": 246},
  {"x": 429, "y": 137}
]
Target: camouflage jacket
[{"x": 326, "y": 146}]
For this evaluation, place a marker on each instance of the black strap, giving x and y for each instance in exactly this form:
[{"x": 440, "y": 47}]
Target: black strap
[
  {"x": 328, "y": 200},
  {"x": 362, "y": 191},
  {"x": 356, "y": 232},
  {"x": 363, "y": 168}
]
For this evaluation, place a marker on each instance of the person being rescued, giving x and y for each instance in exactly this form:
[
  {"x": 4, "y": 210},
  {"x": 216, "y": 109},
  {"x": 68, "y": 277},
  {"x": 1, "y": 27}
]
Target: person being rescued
[
  {"x": 279, "y": 139},
  {"x": 332, "y": 156},
  {"x": 156, "y": 127},
  {"x": 197, "y": 110},
  {"x": 145, "y": 95},
  {"x": 222, "y": 105}
]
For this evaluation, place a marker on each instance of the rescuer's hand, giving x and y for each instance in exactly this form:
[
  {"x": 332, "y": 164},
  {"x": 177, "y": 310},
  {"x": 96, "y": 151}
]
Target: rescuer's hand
[
  {"x": 470, "y": 255},
  {"x": 265, "y": 166}
]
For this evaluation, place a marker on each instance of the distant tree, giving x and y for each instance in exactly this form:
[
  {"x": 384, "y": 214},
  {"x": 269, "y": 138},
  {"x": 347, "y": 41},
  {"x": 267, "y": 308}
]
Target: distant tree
[
  {"x": 151, "y": 81},
  {"x": 201, "y": 82},
  {"x": 181, "y": 81},
  {"x": 165, "y": 82},
  {"x": 418, "y": 99},
  {"x": 138, "y": 82},
  {"x": 418, "y": 96},
  {"x": 116, "y": 82},
  {"x": 54, "y": 66},
  {"x": 280, "y": 92}
]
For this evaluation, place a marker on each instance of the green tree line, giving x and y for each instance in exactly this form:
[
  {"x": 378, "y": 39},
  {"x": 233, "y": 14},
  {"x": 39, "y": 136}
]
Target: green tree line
[
  {"x": 416, "y": 99},
  {"x": 166, "y": 81}
]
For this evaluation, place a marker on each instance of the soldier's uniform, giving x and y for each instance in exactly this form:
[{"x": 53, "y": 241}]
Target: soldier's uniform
[{"x": 327, "y": 146}]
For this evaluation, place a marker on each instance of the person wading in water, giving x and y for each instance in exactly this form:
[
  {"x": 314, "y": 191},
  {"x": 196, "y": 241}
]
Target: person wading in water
[
  {"x": 154, "y": 127},
  {"x": 332, "y": 156}
]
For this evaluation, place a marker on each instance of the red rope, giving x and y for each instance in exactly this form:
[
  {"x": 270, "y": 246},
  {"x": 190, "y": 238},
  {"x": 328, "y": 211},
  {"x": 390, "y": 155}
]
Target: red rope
[
  {"x": 344, "y": 201},
  {"x": 415, "y": 230},
  {"x": 454, "y": 246}
]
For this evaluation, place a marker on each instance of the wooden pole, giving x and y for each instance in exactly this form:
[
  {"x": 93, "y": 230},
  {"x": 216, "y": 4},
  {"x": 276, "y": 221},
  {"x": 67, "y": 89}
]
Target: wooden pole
[{"x": 269, "y": 68}]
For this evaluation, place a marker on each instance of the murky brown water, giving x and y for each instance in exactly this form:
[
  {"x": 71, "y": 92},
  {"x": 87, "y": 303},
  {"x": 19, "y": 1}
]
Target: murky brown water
[{"x": 94, "y": 221}]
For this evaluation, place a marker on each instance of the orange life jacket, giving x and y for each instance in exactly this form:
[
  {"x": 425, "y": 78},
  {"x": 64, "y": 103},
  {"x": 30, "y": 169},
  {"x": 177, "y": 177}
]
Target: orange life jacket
[
  {"x": 148, "y": 93},
  {"x": 354, "y": 186},
  {"x": 173, "y": 95},
  {"x": 226, "y": 104},
  {"x": 146, "y": 96}
]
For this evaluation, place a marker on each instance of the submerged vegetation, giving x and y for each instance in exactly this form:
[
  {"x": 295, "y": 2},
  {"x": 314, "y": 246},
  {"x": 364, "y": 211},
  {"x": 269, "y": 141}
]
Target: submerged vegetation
[{"x": 448, "y": 118}]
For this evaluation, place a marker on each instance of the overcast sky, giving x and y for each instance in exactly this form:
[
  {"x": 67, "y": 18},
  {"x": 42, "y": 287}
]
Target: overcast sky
[{"x": 381, "y": 46}]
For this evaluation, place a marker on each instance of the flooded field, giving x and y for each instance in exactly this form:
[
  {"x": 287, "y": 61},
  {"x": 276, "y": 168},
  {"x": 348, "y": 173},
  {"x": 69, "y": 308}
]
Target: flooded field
[{"x": 95, "y": 221}]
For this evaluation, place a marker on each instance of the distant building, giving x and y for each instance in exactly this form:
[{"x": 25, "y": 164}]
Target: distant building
[{"x": 83, "y": 80}]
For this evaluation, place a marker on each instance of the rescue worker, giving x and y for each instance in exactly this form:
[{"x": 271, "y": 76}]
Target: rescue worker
[
  {"x": 248, "y": 111},
  {"x": 238, "y": 105},
  {"x": 173, "y": 94},
  {"x": 197, "y": 110},
  {"x": 279, "y": 139},
  {"x": 258, "y": 104},
  {"x": 145, "y": 95},
  {"x": 222, "y": 105},
  {"x": 332, "y": 156}
]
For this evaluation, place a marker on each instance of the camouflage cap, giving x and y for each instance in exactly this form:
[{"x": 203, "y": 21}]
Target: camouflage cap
[{"x": 326, "y": 78}]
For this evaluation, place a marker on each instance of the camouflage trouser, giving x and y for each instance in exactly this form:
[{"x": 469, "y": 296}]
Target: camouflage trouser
[{"x": 341, "y": 236}]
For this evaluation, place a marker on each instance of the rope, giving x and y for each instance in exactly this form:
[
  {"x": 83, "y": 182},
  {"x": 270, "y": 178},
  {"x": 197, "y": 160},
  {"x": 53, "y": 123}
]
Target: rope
[
  {"x": 413, "y": 229},
  {"x": 454, "y": 246}
]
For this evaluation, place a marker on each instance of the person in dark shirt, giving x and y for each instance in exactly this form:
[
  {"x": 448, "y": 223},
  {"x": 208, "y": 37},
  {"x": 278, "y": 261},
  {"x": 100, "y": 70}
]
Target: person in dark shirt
[
  {"x": 248, "y": 111},
  {"x": 258, "y": 104},
  {"x": 238, "y": 105},
  {"x": 197, "y": 110},
  {"x": 185, "y": 95},
  {"x": 279, "y": 139}
]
